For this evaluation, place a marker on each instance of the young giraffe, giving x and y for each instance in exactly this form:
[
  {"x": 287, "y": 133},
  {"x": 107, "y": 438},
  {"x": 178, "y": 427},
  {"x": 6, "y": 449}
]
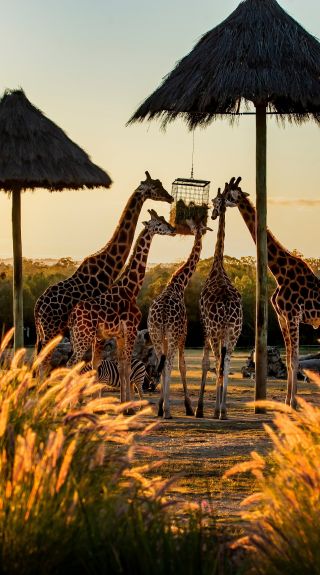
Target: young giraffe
[
  {"x": 97, "y": 272},
  {"x": 221, "y": 314},
  {"x": 115, "y": 313},
  {"x": 297, "y": 296},
  {"x": 167, "y": 323}
]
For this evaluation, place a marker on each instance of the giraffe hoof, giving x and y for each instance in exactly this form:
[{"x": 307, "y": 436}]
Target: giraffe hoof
[
  {"x": 167, "y": 416},
  {"x": 294, "y": 404},
  {"x": 223, "y": 415},
  {"x": 216, "y": 414},
  {"x": 199, "y": 412},
  {"x": 160, "y": 411},
  {"x": 129, "y": 411}
]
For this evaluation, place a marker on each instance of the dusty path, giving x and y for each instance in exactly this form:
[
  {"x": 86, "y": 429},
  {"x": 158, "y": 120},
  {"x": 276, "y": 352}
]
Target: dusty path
[{"x": 201, "y": 450}]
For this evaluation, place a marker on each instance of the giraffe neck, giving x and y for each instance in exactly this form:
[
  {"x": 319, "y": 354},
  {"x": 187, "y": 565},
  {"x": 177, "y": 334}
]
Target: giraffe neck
[
  {"x": 217, "y": 264},
  {"x": 182, "y": 275},
  {"x": 134, "y": 272},
  {"x": 112, "y": 257},
  {"x": 278, "y": 256}
]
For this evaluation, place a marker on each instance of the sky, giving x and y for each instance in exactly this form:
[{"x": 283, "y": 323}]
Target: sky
[{"x": 88, "y": 64}]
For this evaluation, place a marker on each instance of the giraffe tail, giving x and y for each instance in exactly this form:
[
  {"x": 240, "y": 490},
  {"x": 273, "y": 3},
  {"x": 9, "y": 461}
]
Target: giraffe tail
[
  {"x": 222, "y": 359},
  {"x": 161, "y": 365},
  {"x": 159, "y": 370}
]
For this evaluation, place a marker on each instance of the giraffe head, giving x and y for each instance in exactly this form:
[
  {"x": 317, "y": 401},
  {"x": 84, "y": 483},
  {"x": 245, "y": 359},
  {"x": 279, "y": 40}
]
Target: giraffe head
[
  {"x": 199, "y": 228},
  {"x": 154, "y": 190},
  {"x": 158, "y": 225},
  {"x": 229, "y": 198}
]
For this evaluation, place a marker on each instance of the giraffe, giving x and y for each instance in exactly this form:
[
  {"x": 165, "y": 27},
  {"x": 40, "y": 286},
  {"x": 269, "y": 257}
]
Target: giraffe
[
  {"x": 297, "y": 296},
  {"x": 167, "y": 323},
  {"x": 221, "y": 315},
  {"x": 98, "y": 271},
  {"x": 116, "y": 313}
]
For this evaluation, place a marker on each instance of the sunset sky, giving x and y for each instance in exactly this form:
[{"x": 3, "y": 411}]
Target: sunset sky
[{"x": 88, "y": 64}]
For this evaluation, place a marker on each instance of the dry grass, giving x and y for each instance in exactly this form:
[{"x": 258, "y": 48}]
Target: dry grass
[
  {"x": 281, "y": 519},
  {"x": 75, "y": 493}
]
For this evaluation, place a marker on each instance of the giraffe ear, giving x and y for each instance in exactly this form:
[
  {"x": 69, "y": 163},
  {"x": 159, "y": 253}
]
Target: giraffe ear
[{"x": 145, "y": 224}]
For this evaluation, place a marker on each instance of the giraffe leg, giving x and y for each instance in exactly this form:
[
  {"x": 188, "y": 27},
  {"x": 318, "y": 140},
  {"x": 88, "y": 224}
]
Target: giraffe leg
[
  {"x": 293, "y": 326},
  {"x": 205, "y": 367},
  {"x": 122, "y": 369},
  {"x": 159, "y": 351},
  {"x": 129, "y": 339},
  {"x": 160, "y": 405},
  {"x": 226, "y": 352},
  {"x": 183, "y": 375},
  {"x": 287, "y": 342},
  {"x": 97, "y": 348},
  {"x": 96, "y": 352},
  {"x": 79, "y": 345},
  {"x": 166, "y": 390},
  {"x": 219, "y": 378}
]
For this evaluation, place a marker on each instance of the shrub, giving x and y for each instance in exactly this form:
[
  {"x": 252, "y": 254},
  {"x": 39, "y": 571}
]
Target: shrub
[
  {"x": 281, "y": 520},
  {"x": 74, "y": 497}
]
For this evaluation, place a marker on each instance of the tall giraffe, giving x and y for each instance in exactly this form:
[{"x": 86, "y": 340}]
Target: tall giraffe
[
  {"x": 167, "y": 323},
  {"x": 297, "y": 296},
  {"x": 116, "y": 313},
  {"x": 221, "y": 314},
  {"x": 97, "y": 272}
]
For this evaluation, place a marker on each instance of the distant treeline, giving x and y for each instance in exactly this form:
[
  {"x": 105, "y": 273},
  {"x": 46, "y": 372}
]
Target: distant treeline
[{"x": 38, "y": 276}]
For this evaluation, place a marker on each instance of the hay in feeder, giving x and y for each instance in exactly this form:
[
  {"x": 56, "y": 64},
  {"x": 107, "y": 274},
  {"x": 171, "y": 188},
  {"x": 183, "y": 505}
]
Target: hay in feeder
[
  {"x": 180, "y": 212},
  {"x": 191, "y": 203}
]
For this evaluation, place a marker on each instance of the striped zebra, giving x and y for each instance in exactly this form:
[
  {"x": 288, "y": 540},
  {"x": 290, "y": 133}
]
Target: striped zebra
[{"x": 108, "y": 373}]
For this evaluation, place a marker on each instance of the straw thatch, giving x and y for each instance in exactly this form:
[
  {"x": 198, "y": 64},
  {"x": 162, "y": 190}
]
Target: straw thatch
[
  {"x": 259, "y": 53},
  {"x": 36, "y": 153}
]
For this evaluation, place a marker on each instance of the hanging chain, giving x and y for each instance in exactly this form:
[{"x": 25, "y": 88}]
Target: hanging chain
[{"x": 192, "y": 154}]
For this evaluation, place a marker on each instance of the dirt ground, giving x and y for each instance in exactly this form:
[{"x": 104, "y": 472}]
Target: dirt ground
[{"x": 199, "y": 451}]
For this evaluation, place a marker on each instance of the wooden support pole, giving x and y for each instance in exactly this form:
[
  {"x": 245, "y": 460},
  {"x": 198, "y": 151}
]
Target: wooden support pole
[
  {"x": 262, "y": 256},
  {"x": 17, "y": 270}
]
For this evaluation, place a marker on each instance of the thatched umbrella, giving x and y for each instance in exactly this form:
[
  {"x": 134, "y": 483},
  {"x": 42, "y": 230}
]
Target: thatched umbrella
[
  {"x": 36, "y": 153},
  {"x": 258, "y": 54}
]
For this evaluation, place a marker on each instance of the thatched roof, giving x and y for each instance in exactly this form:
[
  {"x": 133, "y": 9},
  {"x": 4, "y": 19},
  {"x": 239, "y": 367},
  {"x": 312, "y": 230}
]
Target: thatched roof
[
  {"x": 259, "y": 53},
  {"x": 36, "y": 153}
]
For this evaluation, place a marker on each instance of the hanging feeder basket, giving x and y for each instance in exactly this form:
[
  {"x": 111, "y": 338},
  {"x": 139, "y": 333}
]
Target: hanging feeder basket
[{"x": 191, "y": 202}]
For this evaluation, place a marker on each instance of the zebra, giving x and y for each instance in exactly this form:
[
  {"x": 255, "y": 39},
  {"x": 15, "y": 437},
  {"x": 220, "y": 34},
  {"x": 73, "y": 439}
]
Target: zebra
[{"x": 108, "y": 373}]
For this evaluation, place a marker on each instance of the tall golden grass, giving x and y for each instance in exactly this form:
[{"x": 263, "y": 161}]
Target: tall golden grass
[
  {"x": 75, "y": 495},
  {"x": 281, "y": 520}
]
